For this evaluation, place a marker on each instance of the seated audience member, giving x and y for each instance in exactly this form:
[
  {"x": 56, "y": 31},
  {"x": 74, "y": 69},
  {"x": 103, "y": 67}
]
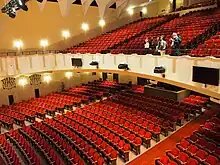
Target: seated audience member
[
  {"x": 176, "y": 41},
  {"x": 163, "y": 45}
]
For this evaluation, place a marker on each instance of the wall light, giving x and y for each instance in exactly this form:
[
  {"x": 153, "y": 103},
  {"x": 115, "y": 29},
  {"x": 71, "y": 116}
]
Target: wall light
[
  {"x": 47, "y": 78},
  {"x": 65, "y": 34},
  {"x": 44, "y": 43},
  {"x": 18, "y": 44},
  {"x": 102, "y": 22},
  {"x": 68, "y": 74},
  {"x": 85, "y": 27},
  {"x": 130, "y": 11},
  {"x": 22, "y": 81},
  {"x": 144, "y": 10}
]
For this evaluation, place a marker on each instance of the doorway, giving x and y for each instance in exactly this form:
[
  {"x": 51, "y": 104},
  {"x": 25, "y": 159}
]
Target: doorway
[
  {"x": 37, "y": 93},
  {"x": 104, "y": 76},
  {"x": 142, "y": 81},
  {"x": 11, "y": 99},
  {"x": 115, "y": 77}
]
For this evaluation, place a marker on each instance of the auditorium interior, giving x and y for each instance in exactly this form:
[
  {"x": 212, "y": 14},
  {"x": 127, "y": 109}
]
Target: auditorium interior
[{"x": 110, "y": 82}]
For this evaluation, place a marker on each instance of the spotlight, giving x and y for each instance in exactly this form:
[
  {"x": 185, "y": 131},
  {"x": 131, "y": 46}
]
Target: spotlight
[
  {"x": 44, "y": 43},
  {"x": 47, "y": 78},
  {"x": 22, "y": 81},
  {"x": 12, "y": 6},
  {"x": 85, "y": 27},
  {"x": 65, "y": 34},
  {"x": 18, "y": 44},
  {"x": 130, "y": 11},
  {"x": 102, "y": 23},
  {"x": 68, "y": 74},
  {"x": 144, "y": 10}
]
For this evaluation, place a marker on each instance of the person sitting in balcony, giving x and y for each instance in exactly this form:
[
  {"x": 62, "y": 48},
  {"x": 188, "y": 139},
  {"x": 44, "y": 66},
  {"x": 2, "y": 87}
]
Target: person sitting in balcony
[{"x": 176, "y": 41}]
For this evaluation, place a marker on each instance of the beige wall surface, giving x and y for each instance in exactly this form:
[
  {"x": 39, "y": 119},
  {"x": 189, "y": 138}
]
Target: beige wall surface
[
  {"x": 27, "y": 92},
  {"x": 33, "y": 25}
]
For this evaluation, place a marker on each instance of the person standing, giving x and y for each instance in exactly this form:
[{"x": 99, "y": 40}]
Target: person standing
[
  {"x": 163, "y": 45},
  {"x": 176, "y": 41}
]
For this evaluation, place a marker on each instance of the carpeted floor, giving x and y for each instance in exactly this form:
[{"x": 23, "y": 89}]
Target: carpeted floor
[{"x": 159, "y": 150}]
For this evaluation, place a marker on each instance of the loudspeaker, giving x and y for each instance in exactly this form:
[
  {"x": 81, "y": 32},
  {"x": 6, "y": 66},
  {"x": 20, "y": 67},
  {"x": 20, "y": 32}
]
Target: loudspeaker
[
  {"x": 77, "y": 62},
  {"x": 123, "y": 66},
  {"x": 159, "y": 69},
  {"x": 94, "y": 63}
]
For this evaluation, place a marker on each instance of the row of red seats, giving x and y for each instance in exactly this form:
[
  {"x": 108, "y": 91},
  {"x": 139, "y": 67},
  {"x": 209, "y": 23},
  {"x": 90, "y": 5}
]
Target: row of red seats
[
  {"x": 18, "y": 118},
  {"x": 202, "y": 147},
  {"x": 42, "y": 146},
  {"x": 123, "y": 118},
  {"x": 196, "y": 100},
  {"x": 151, "y": 106},
  {"x": 6, "y": 122},
  {"x": 211, "y": 47},
  {"x": 110, "y": 131},
  {"x": 93, "y": 149},
  {"x": 24, "y": 147},
  {"x": 196, "y": 24},
  {"x": 197, "y": 5},
  {"x": 8, "y": 152},
  {"x": 64, "y": 149},
  {"x": 140, "y": 118},
  {"x": 108, "y": 40}
]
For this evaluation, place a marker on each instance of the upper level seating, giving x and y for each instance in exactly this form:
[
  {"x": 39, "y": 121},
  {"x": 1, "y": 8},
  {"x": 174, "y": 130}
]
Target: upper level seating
[
  {"x": 211, "y": 47},
  {"x": 189, "y": 26},
  {"x": 202, "y": 147},
  {"x": 201, "y": 3},
  {"x": 108, "y": 40}
]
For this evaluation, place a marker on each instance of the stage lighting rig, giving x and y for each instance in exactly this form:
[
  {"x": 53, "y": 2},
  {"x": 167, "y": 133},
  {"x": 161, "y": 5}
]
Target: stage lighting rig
[{"x": 12, "y": 6}]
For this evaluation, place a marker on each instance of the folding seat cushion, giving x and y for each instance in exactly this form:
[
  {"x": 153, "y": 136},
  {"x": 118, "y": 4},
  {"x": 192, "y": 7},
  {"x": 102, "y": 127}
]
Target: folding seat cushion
[
  {"x": 116, "y": 140},
  {"x": 201, "y": 155},
  {"x": 100, "y": 161},
  {"x": 211, "y": 160},
  {"x": 210, "y": 147},
  {"x": 173, "y": 153},
  {"x": 137, "y": 141},
  {"x": 184, "y": 144},
  {"x": 164, "y": 160},
  {"x": 142, "y": 133},
  {"x": 183, "y": 158},
  {"x": 193, "y": 138},
  {"x": 104, "y": 145},
  {"x": 192, "y": 149},
  {"x": 192, "y": 161},
  {"x": 132, "y": 138},
  {"x": 202, "y": 142},
  {"x": 95, "y": 157},
  {"x": 157, "y": 130}
]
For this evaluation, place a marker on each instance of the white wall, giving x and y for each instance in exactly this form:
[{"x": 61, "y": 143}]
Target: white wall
[
  {"x": 178, "y": 69},
  {"x": 26, "y": 92}
]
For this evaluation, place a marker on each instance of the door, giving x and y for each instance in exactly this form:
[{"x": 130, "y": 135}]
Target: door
[
  {"x": 115, "y": 77},
  {"x": 11, "y": 99},
  {"x": 142, "y": 81},
  {"x": 37, "y": 93},
  {"x": 104, "y": 76}
]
